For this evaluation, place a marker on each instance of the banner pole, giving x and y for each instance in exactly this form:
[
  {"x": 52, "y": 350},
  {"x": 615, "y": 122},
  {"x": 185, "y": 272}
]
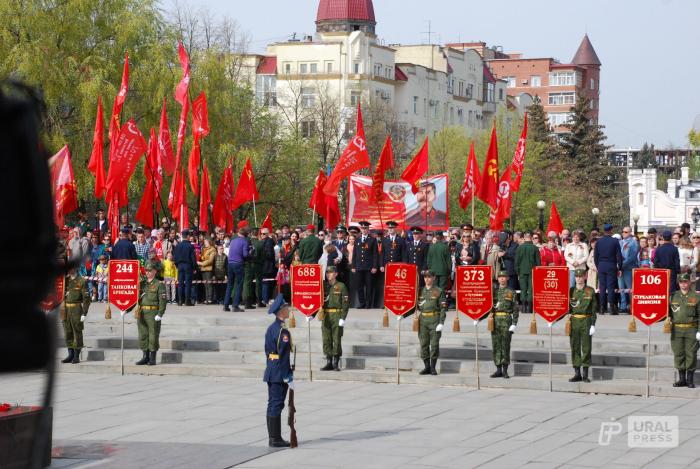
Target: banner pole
[
  {"x": 648, "y": 356},
  {"x": 398, "y": 350},
  {"x": 476, "y": 353},
  {"x": 122, "y": 346},
  {"x": 313, "y": 215},
  {"x": 473, "y": 203},
  {"x": 255, "y": 214},
  {"x": 311, "y": 378},
  {"x": 550, "y": 356}
]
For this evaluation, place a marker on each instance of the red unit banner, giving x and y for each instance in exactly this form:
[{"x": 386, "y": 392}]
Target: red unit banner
[
  {"x": 650, "y": 294},
  {"x": 550, "y": 288},
  {"x": 307, "y": 288},
  {"x": 123, "y": 284},
  {"x": 400, "y": 287},
  {"x": 474, "y": 290},
  {"x": 55, "y": 295}
]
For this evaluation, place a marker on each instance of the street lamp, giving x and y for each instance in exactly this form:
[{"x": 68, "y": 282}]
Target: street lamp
[
  {"x": 635, "y": 219},
  {"x": 595, "y": 213},
  {"x": 696, "y": 218},
  {"x": 540, "y": 206}
]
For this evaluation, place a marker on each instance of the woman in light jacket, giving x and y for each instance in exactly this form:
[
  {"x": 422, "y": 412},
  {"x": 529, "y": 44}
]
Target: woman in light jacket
[
  {"x": 576, "y": 255},
  {"x": 592, "y": 279}
]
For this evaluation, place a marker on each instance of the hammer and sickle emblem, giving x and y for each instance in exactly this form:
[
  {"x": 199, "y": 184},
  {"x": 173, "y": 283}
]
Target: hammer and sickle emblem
[
  {"x": 249, "y": 173},
  {"x": 359, "y": 142},
  {"x": 493, "y": 168}
]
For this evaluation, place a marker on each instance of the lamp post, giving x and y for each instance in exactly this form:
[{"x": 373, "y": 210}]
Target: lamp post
[
  {"x": 540, "y": 206},
  {"x": 696, "y": 218},
  {"x": 595, "y": 213},
  {"x": 635, "y": 219}
]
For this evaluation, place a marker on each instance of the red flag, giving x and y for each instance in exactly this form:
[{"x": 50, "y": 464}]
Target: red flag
[
  {"x": 183, "y": 86},
  {"x": 200, "y": 117},
  {"x": 115, "y": 121},
  {"x": 153, "y": 169},
  {"x": 317, "y": 202},
  {"x": 246, "y": 191},
  {"x": 504, "y": 203},
  {"x": 113, "y": 216},
  {"x": 181, "y": 129},
  {"x": 417, "y": 167},
  {"x": 519, "y": 157},
  {"x": 471, "y": 180},
  {"x": 267, "y": 222},
  {"x": 183, "y": 215},
  {"x": 173, "y": 193},
  {"x": 165, "y": 145},
  {"x": 354, "y": 157},
  {"x": 145, "y": 211},
  {"x": 223, "y": 214},
  {"x": 96, "y": 165},
  {"x": 555, "y": 223},
  {"x": 204, "y": 200},
  {"x": 129, "y": 148},
  {"x": 193, "y": 166},
  {"x": 65, "y": 192},
  {"x": 488, "y": 187},
  {"x": 331, "y": 213},
  {"x": 386, "y": 162}
]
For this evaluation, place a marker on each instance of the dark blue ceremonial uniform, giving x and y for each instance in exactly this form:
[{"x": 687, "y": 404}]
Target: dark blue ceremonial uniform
[
  {"x": 278, "y": 348},
  {"x": 394, "y": 251},
  {"x": 666, "y": 257},
  {"x": 364, "y": 259},
  {"x": 185, "y": 259},
  {"x": 124, "y": 250},
  {"x": 608, "y": 260}
]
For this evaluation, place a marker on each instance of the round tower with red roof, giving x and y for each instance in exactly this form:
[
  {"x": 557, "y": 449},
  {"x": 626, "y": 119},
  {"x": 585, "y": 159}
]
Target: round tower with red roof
[{"x": 345, "y": 16}]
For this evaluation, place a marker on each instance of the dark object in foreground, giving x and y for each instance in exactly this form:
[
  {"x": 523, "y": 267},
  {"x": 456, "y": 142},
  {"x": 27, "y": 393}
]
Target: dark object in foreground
[
  {"x": 291, "y": 420},
  {"x": 17, "y": 428}
]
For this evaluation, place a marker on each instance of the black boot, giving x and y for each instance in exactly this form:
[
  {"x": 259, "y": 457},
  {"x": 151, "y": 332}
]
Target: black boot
[
  {"x": 690, "y": 377},
  {"x": 426, "y": 370},
  {"x": 76, "y": 356},
  {"x": 433, "y": 371},
  {"x": 274, "y": 428},
  {"x": 151, "y": 358},
  {"x": 336, "y": 363},
  {"x": 615, "y": 311},
  {"x": 585, "y": 375},
  {"x": 69, "y": 358},
  {"x": 577, "y": 375},
  {"x": 498, "y": 373},
  {"x": 329, "y": 364},
  {"x": 505, "y": 371},
  {"x": 681, "y": 380},
  {"x": 144, "y": 359}
]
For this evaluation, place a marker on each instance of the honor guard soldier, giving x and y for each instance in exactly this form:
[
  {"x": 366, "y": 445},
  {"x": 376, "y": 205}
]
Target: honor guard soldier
[
  {"x": 685, "y": 306},
  {"x": 583, "y": 304},
  {"x": 76, "y": 304},
  {"x": 335, "y": 312},
  {"x": 417, "y": 251},
  {"x": 279, "y": 374},
  {"x": 341, "y": 243},
  {"x": 152, "y": 301},
  {"x": 432, "y": 306},
  {"x": 364, "y": 264},
  {"x": 393, "y": 246},
  {"x": 505, "y": 314}
]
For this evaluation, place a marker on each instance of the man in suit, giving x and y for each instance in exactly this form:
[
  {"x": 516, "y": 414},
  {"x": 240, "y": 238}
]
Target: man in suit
[
  {"x": 393, "y": 246},
  {"x": 608, "y": 260},
  {"x": 365, "y": 263},
  {"x": 667, "y": 257},
  {"x": 417, "y": 252}
]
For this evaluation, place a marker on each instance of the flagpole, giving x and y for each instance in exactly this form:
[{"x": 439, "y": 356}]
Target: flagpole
[
  {"x": 313, "y": 215},
  {"x": 473, "y": 204},
  {"x": 153, "y": 181},
  {"x": 255, "y": 213}
]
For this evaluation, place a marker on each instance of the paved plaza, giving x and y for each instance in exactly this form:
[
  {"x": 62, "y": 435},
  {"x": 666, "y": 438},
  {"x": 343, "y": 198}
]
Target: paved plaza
[{"x": 134, "y": 421}]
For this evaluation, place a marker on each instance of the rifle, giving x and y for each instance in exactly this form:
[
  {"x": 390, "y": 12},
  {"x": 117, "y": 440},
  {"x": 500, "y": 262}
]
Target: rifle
[{"x": 291, "y": 419}]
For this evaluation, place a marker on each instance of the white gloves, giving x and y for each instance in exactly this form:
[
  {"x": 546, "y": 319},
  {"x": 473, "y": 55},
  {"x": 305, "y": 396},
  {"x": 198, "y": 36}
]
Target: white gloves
[
  {"x": 511, "y": 328},
  {"x": 592, "y": 330},
  {"x": 476, "y": 323},
  {"x": 158, "y": 318},
  {"x": 398, "y": 318},
  {"x": 550, "y": 324},
  {"x": 309, "y": 318},
  {"x": 82, "y": 318},
  {"x": 123, "y": 313},
  {"x": 341, "y": 322},
  {"x": 697, "y": 336},
  {"x": 438, "y": 328},
  {"x": 291, "y": 385}
]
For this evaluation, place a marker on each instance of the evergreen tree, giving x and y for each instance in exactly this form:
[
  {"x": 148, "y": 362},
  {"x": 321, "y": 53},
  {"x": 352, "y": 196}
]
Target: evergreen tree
[
  {"x": 539, "y": 131},
  {"x": 646, "y": 157}
]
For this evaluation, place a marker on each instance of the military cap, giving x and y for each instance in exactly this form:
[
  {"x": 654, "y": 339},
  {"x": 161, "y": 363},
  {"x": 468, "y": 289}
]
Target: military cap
[
  {"x": 378, "y": 232},
  {"x": 429, "y": 273},
  {"x": 607, "y": 227},
  {"x": 364, "y": 224},
  {"x": 667, "y": 235},
  {"x": 125, "y": 230},
  {"x": 341, "y": 229},
  {"x": 684, "y": 277},
  {"x": 331, "y": 268},
  {"x": 277, "y": 305},
  {"x": 152, "y": 265},
  {"x": 416, "y": 229},
  {"x": 392, "y": 224},
  {"x": 242, "y": 224},
  {"x": 580, "y": 272},
  {"x": 503, "y": 273},
  {"x": 310, "y": 226},
  {"x": 353, "y": 229},
  {"x": 438, "y": 234}
]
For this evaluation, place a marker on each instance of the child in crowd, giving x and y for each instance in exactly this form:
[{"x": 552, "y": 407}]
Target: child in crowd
[
  {"x": 220, "y": 271},
  {"x": 170, "y": 277},
  {"x": 102, "y": 272}
]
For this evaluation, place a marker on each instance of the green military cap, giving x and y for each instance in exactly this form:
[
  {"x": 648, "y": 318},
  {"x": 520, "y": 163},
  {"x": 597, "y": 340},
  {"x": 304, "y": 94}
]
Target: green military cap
[
  {"x": 503, "y": 273},
  {"x": 152, "y": 265},
  {"x": 580, "y": 272},
  {"x": 331, "y": 268},
  {"x": 684, "y": 277},
  {"x": 429, "y": 273}
]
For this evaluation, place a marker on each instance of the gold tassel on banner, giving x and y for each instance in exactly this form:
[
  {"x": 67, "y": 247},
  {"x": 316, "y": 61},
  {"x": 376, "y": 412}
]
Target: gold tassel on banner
[
  {"x": 292, "y": 321},
  {"x": 62, "y": 312},
  {"x": 108, "y": 312},
  {"x": 416, "y": 323},
  {"x": 533, "y": 325},
  {"x": 321, "y": 314},
  {"x": 137, "y": 312},
  {"x": 455, "y": 324},
  {"x": 567, "y": 328},
  {"x": 491, "y": 323},
  {"x": 385, "y": 319},
  {"x": 667, "y": 325},
  {"x": 632, "y": 326}
]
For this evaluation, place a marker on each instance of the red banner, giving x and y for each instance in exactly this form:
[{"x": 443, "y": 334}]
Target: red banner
[
  {"x": 428, "y": 207},
  {"x": 55, "y": 296},
  {"x": 650, "y": 295},
  {"x": 400, "y": 287},
  {"x": 123, "y": 284},
  {"x": 550, "y": 288},
  {"x": 307, "y": 288},
  {"x": 474, "y": 290}
]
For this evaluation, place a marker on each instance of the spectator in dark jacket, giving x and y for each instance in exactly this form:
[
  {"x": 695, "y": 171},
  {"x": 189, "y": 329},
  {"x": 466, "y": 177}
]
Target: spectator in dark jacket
[
  {"x": 667, "y": 257},
  {"x": 124, "y": 249},
  {"x": 269, "y": 268},
  {"x": 510, "y": 247},
  {"x": 186, "y": 261}
]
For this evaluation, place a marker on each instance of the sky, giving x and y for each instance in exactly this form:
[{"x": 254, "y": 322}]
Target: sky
[{"x": 650, "y": 49}]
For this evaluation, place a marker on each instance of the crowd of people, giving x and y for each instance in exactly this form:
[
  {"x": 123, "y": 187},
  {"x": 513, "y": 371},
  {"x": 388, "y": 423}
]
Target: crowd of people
[{"x": 246, "y": 268}]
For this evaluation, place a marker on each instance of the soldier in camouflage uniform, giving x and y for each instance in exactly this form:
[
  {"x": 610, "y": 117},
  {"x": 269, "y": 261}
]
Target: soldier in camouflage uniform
[
  {"x": 335, "y": 309},
  {"x": 152, "y": 302},
  {"x": 76, "y": 305},
  {"x": 685, "y": 310},
  {"x": 505, "y": 314},
  {"x": 583, "y": 304},
  {"x": 432, "y": 305}
]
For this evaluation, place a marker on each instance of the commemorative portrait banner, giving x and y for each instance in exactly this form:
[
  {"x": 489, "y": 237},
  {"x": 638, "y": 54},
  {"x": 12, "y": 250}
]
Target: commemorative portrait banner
[
  {"x": 428, "y": 208},
  {"x": 650, "y": 294}
]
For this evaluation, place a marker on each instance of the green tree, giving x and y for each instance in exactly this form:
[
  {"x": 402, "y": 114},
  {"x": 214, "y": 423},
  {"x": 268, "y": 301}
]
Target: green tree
[{"x": 646, "y": 157}]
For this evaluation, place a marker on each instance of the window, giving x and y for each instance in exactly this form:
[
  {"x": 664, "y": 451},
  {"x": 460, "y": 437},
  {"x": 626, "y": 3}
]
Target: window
[
  {"x": 287, "y": 68},
  {"x": 329, "y": 67},
  {"x": 490, "y": 92},
  {"x": 640, "y": 198},
  {"x": 452, "y": 115},
  {"x": 592, "y": 83},
  {"x": 511, "y": 82},
  {"x": 460, "y": 115},
  {"x": 313, "y": 68},
  {"x": 470, "y": 90},
  {"x": 377, "y": 70},
  {"x": 356, "y": 68},
  {"x": 461, "y": 89},
  {"x": 558, "y": 99},
  {"x": 558, "y": 118},
  {"x": 562, "y": 79},
  {"x": 266, "y": 90},
  {"x": 450, "y": 85},
  {"x": 500, "y": 94},
  {"x": 415, "y": 105},
  {"x": 387, "y": 73},
  {"x": 355, "y": 97},
  {"x": 470, "y": 119},
  {"x": 308, "y": 128},
  {"x": 535, "y": 81},
  {"x": 308, "y": 98},
  {"x": 303, "y": 69}
]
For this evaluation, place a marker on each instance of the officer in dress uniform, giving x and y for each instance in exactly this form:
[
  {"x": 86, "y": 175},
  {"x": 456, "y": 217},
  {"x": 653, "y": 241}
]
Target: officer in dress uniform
[
  {"x": 335, "y": 309},
  {"x": 364, "y": 265},
  {"x": 342, "y": 263},
  {"x": 607, "y": 256},
  {"x": 152, "y": 302},
  {"x": 76, "y": 305},
  {"x": 684, "y": 313},
  {"x": 279, "y": 374},
  {"x": 505, "y": 314},
  {"x": 582, "y": 307},
  {"x": 432, "y": 305},
  {"x": 417, "y": 251},
  {"x": 393, "y": 246}
]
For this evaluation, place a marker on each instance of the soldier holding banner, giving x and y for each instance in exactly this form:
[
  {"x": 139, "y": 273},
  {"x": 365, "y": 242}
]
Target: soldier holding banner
[
  {"x": 583, "y": 304},
  {"x": 432, "y": 306},
  {"x": 505, "y": 318},
  {"x": 152, "y": 302},
  {"x": 684, "y": 313}
]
